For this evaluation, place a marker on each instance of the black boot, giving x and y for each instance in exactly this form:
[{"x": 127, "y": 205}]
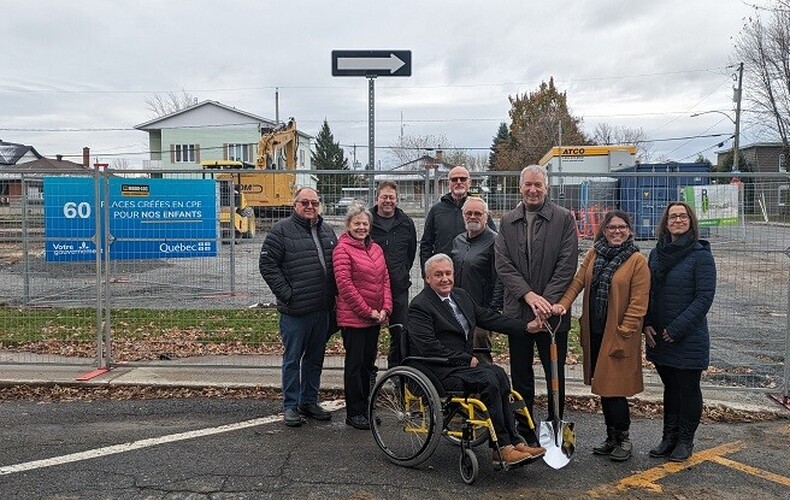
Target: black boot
[
  {"x": 669, "y": 437},
  {"x": 685, "y": 446},
  {"x": 622, "y": 450},
  {"x": 607, "y": 446}
]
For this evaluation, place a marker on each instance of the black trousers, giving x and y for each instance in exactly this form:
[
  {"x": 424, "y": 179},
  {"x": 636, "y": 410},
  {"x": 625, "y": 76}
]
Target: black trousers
[
  {"x": 400, "y": 310},
  {"x": 616, "y": 413},
  {"x": 361, "y": 345},
  {"x": 491, "y": 383},
  {"x": 682, "y": 393},
  {"x": 522, "y": 354}
]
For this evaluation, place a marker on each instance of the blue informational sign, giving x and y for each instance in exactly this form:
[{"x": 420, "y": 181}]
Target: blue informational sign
[{"x": 148, "y": 218}]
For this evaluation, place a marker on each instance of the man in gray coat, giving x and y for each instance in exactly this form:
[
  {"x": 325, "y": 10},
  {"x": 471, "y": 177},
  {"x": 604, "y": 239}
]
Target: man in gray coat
[{"x": 537, "y": 251}]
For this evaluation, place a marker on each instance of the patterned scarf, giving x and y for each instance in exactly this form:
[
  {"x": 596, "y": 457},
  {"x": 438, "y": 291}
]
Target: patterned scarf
[{"x": 607, "y": 260}]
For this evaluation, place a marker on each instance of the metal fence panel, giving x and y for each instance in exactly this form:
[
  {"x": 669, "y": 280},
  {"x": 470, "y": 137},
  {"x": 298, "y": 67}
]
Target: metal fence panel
[{"x": 179, "y": 307}]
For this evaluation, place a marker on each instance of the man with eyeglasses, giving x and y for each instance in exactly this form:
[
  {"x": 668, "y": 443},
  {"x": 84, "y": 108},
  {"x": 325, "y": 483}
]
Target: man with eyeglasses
[
  {"x": 537, "y": 251},
  {"x": 394, "y": 231},
  {"x": 296, "y": 263},
  {"x": 445, "y": 220},
  {"x": 475, "y": 268}
]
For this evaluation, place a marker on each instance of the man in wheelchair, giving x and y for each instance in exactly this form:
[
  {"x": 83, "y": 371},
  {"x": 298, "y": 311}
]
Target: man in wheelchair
[{"x": 441, "y": 325}]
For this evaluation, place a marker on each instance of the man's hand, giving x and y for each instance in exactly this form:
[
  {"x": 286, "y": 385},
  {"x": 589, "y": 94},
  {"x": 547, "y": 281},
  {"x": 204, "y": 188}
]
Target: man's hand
[
  {"x": 540, "y": 306},
  {"x": 474, "y": 362},
  {"x": 666, "y": 337},
  {"x": 650, "y": 336},
  {"x": 535, "y": 326},
  {"x": 558, "y": 310}
]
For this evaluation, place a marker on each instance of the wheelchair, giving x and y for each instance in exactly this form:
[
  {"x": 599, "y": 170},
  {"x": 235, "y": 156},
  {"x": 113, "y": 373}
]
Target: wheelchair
[{"x": 410, "y": 411}]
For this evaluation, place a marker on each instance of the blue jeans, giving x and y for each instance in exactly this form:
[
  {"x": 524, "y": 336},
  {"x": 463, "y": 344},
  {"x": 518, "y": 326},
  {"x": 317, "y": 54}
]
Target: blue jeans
[{"x": 304, "y": 339}]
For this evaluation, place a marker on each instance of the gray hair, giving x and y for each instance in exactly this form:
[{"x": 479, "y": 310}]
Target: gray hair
[
  {"x": 439, "y": 257},
  {"x": 299, "y": 191},
  {"x": 475, "y": 198},
  {"x": 534, "y": 169},
  {"x": 355, "y": 208}
]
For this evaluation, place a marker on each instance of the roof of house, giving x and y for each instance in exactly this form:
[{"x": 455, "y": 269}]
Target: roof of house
[
  {"x": 424, "y": 162},
  {"x": 11, "y": 152},
  {"x": 152, "y": 124},
  {"x": 51, "y": 166}
]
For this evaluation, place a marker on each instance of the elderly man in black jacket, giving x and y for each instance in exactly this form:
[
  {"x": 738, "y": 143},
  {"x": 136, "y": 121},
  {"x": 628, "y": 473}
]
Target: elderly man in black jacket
[
  {"x": 296, "y": 263},
  {"x": 394, "y": 231},
  {"x": 441, "y": 322},
  {"x": 444, "y": 220},
  {"x": 475, "y": 266}
]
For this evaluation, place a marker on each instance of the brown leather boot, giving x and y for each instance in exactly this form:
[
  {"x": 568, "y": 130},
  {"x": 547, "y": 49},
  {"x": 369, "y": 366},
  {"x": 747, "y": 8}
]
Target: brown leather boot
[
  {"x": 510, "y": 455},
  {"x": 534, "y": 452}
]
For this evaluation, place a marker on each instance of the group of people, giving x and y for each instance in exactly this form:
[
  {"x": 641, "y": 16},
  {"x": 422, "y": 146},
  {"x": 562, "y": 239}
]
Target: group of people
[{"x": 479, "y": 281}]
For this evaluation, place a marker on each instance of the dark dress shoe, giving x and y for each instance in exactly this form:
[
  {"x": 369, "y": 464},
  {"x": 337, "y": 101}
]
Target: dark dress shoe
[
  {"x": 314, "y": 410},
  {"x": 358, "y": 422},
  {"x": 292, "y": 418}
]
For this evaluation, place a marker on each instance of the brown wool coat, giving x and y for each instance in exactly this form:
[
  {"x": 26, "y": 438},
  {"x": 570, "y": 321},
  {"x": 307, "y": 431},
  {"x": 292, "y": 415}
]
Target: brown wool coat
[{"x": 618, "y": 370}]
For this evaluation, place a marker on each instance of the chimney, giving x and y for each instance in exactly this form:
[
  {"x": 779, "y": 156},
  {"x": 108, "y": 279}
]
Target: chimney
[
  {"x": 59, "y": 157},
  {"x": 440, "y": 155},
  {"x": 86, "y": 157}
]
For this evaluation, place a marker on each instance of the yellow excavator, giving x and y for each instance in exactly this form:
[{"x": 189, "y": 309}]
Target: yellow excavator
[{"x": 236, "y": 216}]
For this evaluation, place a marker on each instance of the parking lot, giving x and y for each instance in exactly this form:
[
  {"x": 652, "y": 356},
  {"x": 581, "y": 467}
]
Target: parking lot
[{"x": 228, "y": 448}]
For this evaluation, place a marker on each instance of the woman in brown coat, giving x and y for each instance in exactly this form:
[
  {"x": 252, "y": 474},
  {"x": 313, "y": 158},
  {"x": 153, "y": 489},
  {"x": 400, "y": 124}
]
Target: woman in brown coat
[{"x": 617, "y": 283}]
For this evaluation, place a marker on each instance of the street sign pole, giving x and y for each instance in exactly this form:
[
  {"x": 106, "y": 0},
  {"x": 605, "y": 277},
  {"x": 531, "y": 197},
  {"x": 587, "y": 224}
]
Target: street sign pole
[
  {"x": 371, "y": 138},
  {"x": 370, "y": 64}
]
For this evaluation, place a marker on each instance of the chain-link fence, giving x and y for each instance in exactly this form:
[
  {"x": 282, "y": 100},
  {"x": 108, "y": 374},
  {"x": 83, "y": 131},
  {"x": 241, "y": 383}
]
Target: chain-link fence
[{"x": 179, "y": 275}]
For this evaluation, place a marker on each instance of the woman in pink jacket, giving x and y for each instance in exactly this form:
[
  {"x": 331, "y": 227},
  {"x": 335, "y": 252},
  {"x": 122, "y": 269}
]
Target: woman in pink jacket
[{"x": 364, "y": 302}]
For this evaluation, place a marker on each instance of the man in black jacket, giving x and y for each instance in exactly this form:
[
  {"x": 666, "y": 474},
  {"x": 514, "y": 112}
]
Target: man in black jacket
[
  {"x": 441, "y": 322},
  {"x": 445, "y": 221},
  {"x": 475, "y": 268},
  {"x": 296, "y": 263},
  {"x": 394, "y": 231}
]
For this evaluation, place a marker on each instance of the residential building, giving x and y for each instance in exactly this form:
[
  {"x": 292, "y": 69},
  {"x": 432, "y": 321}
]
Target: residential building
[{"x": 209, "y": 130}]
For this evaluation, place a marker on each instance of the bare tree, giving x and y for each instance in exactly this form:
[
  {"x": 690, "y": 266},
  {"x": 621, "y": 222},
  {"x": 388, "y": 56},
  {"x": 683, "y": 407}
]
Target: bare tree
[
  {"x": 120, "y": 164},
  {"x": 164, "y": 104},
  {"x": 412, "y": 147},
  {"x": 763, "y": 45},
  {"x": 608, "y": 134}
]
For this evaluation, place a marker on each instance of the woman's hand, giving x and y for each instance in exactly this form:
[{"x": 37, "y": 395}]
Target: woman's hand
[
  {"x": 558, "y": 310},
  {"x": 650, "y": 335}
]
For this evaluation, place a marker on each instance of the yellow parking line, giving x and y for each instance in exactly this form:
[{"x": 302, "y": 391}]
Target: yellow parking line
[
  {"x": 648, "y": 479},
  {"x": 784, "y": 481}
]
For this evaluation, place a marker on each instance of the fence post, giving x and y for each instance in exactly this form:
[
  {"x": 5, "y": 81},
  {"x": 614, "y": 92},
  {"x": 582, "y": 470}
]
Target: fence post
[
  {"x": 108, "y": 240},
  {"x": 97, "y": 241},
  {"x": 25, "y": 242},
  {"x": 786, "y": 384}
]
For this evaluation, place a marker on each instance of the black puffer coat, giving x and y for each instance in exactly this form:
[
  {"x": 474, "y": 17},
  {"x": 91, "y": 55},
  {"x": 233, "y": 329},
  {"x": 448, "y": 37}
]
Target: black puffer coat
[
  {"x": 399, "y": 245},
  {"x": 290, "y": 265}
]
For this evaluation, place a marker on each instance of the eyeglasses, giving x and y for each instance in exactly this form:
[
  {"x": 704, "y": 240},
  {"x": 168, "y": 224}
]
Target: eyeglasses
[
  {"x": 680, "y": 217},
  {"x": 474, "y": 214},
  {"x": 622, "y": 228},
  {"x": 459, "y": 179},
  {"x": 307, "y": 203}
]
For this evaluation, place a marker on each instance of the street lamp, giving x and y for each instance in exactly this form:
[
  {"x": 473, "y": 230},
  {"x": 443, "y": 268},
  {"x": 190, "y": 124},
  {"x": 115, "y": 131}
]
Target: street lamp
[{"x": 735, "y": 136}]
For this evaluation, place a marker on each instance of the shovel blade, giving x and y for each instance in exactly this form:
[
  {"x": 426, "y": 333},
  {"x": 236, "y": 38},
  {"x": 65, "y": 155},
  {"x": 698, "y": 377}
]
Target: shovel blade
[{"x": 559, "y": 445}]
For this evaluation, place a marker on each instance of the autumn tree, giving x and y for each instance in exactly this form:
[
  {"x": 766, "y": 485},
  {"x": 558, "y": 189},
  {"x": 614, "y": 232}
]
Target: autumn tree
[
  {"x": 763, "y": 47},
  {"x": 537, "y": 120},
  {"x": 164, "y": 104},
  {"x": 609, "y": 135},
  {"x": 328, "y": 155}
]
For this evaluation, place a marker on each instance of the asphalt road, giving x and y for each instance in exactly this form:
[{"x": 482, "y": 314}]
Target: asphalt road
[{"x": 255, "y": 456}]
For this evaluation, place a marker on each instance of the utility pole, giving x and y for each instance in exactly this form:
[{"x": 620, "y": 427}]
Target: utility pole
[{"x": 737, "y": 98}]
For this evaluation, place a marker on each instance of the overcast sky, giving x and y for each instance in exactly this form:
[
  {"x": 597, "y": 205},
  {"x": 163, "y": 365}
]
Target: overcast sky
[{"x": 78, "y": 73}]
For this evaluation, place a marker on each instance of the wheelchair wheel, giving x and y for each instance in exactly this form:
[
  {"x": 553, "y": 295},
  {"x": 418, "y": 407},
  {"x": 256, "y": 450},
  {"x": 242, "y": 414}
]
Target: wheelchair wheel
[
  {"x": 405, "y": 416},
  {"x": 468, "y": 466},
  {"x": 453, "y": 428}
]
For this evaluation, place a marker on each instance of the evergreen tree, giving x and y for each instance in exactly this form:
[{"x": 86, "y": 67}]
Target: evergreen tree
[
  {"x": 502, "y": 138},
  {"x": 328, "y": 155}
]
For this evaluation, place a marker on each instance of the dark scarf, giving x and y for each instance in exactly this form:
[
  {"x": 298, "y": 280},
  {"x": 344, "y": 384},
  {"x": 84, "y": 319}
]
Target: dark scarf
[
  {"x": 669, "y": 254},
  {"x": 607, "y": 260}
]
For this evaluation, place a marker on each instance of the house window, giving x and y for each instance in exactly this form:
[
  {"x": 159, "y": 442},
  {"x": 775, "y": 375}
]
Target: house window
[
  {"x": 784, "y": 195},
  {"x": 239, "y": 152},
  {"x": 185, "y": 153}
]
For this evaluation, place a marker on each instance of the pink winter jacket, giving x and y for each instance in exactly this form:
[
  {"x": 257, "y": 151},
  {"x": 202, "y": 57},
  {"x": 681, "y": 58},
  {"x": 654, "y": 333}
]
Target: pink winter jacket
[{"x": 363, "y": 283}]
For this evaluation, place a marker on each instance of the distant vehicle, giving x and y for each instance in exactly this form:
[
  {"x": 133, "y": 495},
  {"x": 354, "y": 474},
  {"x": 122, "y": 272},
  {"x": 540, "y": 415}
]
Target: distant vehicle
[
  {"x": 270, "y": 184},
  {"x": 349, "y": 196}
]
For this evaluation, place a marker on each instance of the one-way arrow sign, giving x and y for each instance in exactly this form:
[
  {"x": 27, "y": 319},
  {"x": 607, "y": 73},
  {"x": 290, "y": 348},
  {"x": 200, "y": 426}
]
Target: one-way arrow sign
[{"x": 371, "y": 63}]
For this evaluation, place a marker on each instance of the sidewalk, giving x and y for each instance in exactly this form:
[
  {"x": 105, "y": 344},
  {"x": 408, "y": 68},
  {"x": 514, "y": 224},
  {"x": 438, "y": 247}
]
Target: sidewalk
[{"x": 264, "y": 371}]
